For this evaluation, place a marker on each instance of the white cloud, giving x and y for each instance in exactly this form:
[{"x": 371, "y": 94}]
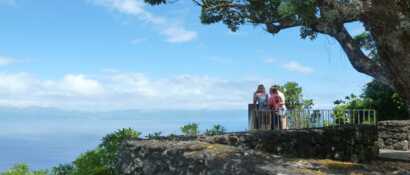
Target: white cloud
[
  {"x": 179, "y": 35},
  {"x": 19, "y": 83},
  {"x": 297, "y": 67},
  {"x": 6, "y": 61},
  {"x": 79, "y": 84},
  {"x": 174, "y": 33},
  {"x": 118, "y": 90}
]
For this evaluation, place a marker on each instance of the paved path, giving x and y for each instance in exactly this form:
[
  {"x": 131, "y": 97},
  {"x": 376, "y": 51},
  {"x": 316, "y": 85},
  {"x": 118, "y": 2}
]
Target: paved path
[{"x": 395, "y": 155}]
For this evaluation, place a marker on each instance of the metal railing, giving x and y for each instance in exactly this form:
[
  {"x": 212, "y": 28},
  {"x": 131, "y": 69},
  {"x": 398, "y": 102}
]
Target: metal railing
[{"x": 301, "y": 119}]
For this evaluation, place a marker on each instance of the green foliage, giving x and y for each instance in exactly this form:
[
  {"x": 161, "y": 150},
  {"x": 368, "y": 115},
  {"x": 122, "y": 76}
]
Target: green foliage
[
  {"x": 352, "y": 102},
  {"x": 102, "y": 160},
  {"x": 190, "y": 129},
  {"x": 256, "y": 12},
  {"x": 91, "y": 163},
  {"x": 111, "y": 143},
  {"x": 376, "y": 95},
  {"x": 387, "y": 102},
  {"x": 308, "y": 104},
  {"x": 215, "y": 130},
  {"x": 294, "y": 97},
  {"x": 172, "y": 136},
  {"x": 23, "y": 169},
  {"x": 63, "y": 169},
  {"x": 367, "y": 43},
  {"x": 155, "y": 2},
  {"x": 155, "y": 135}
]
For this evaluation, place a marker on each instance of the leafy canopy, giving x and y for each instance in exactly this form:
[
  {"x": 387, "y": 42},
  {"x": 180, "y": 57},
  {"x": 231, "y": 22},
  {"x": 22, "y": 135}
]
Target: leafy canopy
[
  {"x": 274, "y": 14},
  {"x": 388, "y": 104},
  {"x": 190, "y": 129},
  {"x": 294, "y": 97}
]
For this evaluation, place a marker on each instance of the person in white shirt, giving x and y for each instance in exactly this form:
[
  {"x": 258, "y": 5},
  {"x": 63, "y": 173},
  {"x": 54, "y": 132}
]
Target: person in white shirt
[{"x": 284, "y": 117}]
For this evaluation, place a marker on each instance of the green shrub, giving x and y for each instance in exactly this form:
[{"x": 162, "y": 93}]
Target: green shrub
[
  {"x": 63, "y": 169},
  {"x": 215, "y": 130},
  {"x": 190, "y": 129},
  {"x": 103, "y": 160},
  {"x": 111, "y": 143},
  {"x": 23, "y": 169},
  {"x": 172, "y": 136},
  {"x": 155, "y": 135},
  {"x": 91, "y": 163}
]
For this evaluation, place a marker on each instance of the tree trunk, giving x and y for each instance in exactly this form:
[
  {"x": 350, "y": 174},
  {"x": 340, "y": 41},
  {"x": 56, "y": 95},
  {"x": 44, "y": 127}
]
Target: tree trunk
[{"x": 389, "y": 24}]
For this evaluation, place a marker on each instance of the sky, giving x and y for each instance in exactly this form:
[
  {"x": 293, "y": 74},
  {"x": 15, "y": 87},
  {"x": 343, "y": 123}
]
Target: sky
[{"x": 101, "y": 55}]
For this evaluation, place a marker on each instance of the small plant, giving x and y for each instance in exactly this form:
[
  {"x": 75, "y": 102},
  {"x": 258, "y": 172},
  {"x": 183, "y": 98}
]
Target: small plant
[
  {"x": 190, "y": 129},
  {"x": 172, "y": 136},
  {"x": 154, "y": 136},
  {"x": 215, "y": 130},
  {"x": 23, "y": 169}
]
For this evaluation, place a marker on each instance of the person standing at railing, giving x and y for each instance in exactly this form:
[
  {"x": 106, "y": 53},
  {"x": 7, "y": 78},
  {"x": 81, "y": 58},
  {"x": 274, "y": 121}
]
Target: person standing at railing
[
  {"x": 276, "y": 104},
  {"x": 260, "y": 98},
  {"x": 284, "y": 118},
  {"x": 260, "y": 101}
]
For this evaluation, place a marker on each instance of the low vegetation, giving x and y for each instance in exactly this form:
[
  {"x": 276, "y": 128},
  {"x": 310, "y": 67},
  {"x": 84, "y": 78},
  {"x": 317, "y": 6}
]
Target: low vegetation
[
  {"x": 23, "y": 169},
  {"x": 215, "y": 130}
]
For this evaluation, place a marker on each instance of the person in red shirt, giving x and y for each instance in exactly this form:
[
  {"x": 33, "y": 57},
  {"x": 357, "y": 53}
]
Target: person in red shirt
[
  {"x": 276, "y": 104},
  {"x": 275, "y": 101}
]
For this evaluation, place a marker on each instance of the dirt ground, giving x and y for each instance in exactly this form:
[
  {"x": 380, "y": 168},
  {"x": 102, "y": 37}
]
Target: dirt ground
[{"x": 378, "y": 167}]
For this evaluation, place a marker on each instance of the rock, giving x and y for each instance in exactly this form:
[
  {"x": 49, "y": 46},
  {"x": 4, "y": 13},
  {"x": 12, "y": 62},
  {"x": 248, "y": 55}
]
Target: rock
[
  {"x": 402, "y": 145},
  {"x": 394, "y": 134},
  {"x": 167, "y": 157},
  {"x": 195, "y": 158}
]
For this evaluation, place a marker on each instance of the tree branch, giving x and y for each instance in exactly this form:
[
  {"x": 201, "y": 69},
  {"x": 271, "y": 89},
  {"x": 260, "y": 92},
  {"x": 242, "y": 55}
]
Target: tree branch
[
  {"x": 357, "y": 58},
  {"x": 275, "y": 28}
]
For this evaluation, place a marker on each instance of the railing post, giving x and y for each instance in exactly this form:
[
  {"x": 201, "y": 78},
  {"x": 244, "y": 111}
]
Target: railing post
[{"x": 251, "y": 108}]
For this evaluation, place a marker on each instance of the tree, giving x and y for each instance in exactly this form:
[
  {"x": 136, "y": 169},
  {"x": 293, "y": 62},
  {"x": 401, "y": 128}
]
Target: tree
[
  {"x": 294, "y": 97},
  {"x": 190, "y": 129},
  {"x": 387, "y": 24}
]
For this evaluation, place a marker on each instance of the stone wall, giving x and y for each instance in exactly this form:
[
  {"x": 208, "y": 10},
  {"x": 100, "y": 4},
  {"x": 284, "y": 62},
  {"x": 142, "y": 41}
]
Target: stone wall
[
  {"x": 350, "y": 143},
  {"x": 149, "y": 157},
  {"x": 394, "y": 134},
  {"x": 246, "y": 153}
]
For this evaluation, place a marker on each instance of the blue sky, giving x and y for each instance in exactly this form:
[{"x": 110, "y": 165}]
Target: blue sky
[{"x": 122, "y": 54}]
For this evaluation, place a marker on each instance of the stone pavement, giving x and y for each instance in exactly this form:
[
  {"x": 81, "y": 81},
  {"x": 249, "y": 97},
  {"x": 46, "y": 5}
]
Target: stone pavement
[{"x": 395, "y": 155}]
